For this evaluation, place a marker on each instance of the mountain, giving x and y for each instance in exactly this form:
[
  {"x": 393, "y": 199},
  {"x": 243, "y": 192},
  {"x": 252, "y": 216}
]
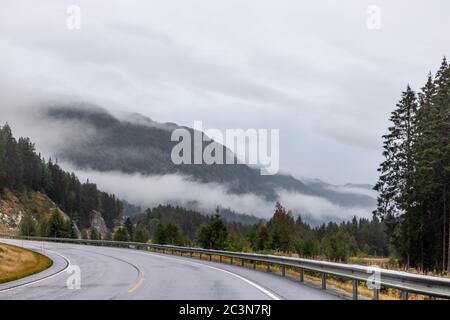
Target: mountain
[
  {"x": 132, "y": 143},
  {"x": 23, "y": 171}
]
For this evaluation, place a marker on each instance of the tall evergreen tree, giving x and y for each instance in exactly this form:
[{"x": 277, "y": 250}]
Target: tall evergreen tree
[
  {"x": 414, "y": 180},
  {"x": 396, "y": 173}
]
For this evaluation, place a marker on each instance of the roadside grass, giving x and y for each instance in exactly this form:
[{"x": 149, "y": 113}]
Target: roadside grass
[{"x": 16, "y": 262}]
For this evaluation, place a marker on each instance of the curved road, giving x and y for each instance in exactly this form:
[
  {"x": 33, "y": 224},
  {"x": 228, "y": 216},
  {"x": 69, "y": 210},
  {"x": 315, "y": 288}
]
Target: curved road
[{"x": 113, "y": 273}]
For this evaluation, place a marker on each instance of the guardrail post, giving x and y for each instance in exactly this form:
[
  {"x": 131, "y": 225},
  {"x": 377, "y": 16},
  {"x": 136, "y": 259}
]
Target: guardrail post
[
  {"x": 324, "y": 281},
  {"x": 252, "y": 259},
  {"x": 355, "y": 289},
  {"x": 404, "y": 295},
  {"x": 376, "y": 294}
]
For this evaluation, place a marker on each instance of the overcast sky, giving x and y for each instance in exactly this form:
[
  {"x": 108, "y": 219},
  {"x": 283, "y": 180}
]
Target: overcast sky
[{"x": 313, "y": 69}]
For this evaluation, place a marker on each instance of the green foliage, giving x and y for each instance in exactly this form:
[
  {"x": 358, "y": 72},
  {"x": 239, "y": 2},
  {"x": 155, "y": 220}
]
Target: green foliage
[
  {"x": 28, "y": 225},
  {"x": 94, "y": 234},
  {"x": 282, "y": 229},
  {"x": 72, "y": 230},
  {"x": 173, "y": 234},
  {"x": 262, "y": 238},
  {"x": 307, "y": 245},
  {"x": 57, "y": 226},
  {"x": 168, "y": 233},
  {"x": 84, "y": 234},
  {"x": 121, "y": 234},
  {"x": 339, "y": 246},
  {"x": 129, "y": 226},
  {"x": 141, "y": 235},
  {"x": 22, "y": 169},
  {"x": 236, "y": 242},
  {"x": 159, "y": 236},
  {"x": 108, "y": 236},
  {"x": 188, "y": 220},
  {"x": 214, "y": 234},
  {"x": 414, "y": 182}
]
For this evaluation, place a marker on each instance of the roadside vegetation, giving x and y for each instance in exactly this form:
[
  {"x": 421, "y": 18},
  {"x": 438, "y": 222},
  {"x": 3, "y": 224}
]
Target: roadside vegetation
[
  {"x": 16, "y": 263},
  {"x": 414, "y": 184},
  {"x": 410, "y": 229}
]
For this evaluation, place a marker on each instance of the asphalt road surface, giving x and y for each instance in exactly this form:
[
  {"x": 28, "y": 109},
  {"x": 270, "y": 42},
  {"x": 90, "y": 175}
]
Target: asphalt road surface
[{"x": 113, "y": 273}]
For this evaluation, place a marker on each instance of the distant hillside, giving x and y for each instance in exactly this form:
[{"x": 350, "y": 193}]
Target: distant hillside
[
  {"x": 136, "y": 144},
  {"x": 34, "y": 180}
]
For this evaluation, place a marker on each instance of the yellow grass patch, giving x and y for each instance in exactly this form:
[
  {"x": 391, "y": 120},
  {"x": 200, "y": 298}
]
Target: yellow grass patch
[{"x": 16, "y": 262}]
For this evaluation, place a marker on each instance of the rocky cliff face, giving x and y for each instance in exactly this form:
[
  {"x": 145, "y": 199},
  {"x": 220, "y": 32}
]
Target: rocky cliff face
[
  {"x": 13, "y": 206},
  {"x": 98, "y": 222},
  {"x": 11, "y": 210}
]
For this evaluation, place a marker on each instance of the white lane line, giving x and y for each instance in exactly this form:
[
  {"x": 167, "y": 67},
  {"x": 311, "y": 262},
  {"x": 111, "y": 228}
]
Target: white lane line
[
  {"x": 253, "y": 284},
  {"x": 42, "y": 279}
]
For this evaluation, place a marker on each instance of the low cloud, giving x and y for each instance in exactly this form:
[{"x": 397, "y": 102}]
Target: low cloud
[
  {"x": 320, "y": 209},
  {"x": 26, "y": 120},
  {"x": 149, "y": 191},
  {"x": 353, "y": 190}
]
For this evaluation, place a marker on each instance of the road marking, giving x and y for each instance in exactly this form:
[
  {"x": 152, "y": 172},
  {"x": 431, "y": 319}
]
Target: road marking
[
  {"x": 139, "y": 283},
  {"x": 253, "y": 284},
  {"x": 139, "y": 270},
  {"x": 68, "y": 263},
  {"x": 42, "y": 279},
  {"x": 142, "y": 279}
]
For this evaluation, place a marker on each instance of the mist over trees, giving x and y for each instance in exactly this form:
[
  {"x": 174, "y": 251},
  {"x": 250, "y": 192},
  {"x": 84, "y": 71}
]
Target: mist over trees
[
  {"x": 414, "y": 182},
  {"x": 22, "y": 170}
]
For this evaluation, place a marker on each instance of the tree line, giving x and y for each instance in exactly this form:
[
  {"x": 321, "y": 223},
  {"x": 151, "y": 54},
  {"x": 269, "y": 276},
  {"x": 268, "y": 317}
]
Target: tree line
[
  {"x": 414, "y": 183},
  {"x": 282, "y": 233},
  {"x": 22, "y": 169}
]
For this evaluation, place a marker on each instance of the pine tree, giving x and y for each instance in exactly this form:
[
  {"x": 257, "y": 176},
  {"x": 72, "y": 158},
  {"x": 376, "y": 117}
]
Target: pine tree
[
  {"x": 441, "y": 124},
  {"x": 414, "y": 180},
  {"x": 56, "y": 226},
  {"x": 282, "y": 228},
  {"x": 213, "y": 235},
  {"x": 159, "y": 236},
  {"x": 396, "y": 173},
  {"x": 94, "y": 234},
  {"x": 263, "y": 237},
  {"x": 129, "y": 226},
  {"x": 141, "y": 235},
  {"x": 27, "y": 225},
  {"x": 121, "y": 234}
]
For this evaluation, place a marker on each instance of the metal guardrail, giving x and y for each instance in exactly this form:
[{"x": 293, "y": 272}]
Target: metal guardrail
[{"x": 375, "y": 277}]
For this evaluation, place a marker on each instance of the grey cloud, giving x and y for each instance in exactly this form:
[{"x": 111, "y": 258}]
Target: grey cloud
[
  {"x": 155, "y": 190},
  {"x": 312, "y": 69}
]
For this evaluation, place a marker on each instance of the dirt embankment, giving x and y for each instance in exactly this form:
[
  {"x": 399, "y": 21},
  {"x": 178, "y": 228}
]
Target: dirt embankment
[
  {"x": 16, "y": 262},
  {"x": 13, "y": 206}
]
